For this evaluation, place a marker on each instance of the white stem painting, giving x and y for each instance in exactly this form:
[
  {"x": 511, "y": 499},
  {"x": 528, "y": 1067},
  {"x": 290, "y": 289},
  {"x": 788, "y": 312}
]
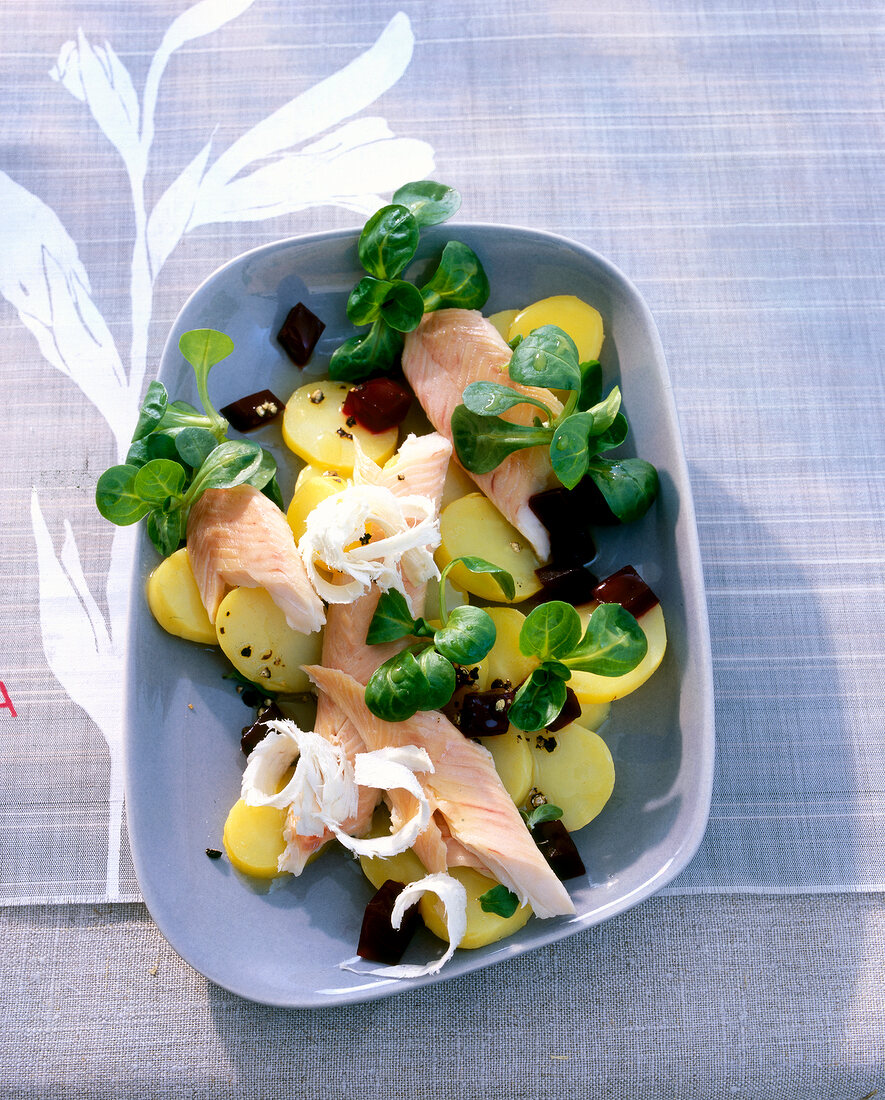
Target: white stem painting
[{"x": 311, "y": 151}]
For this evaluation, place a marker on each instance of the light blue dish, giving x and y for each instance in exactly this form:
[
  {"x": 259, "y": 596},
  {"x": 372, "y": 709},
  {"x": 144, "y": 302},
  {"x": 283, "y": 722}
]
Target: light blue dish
[{"x": 184, "y": 762}]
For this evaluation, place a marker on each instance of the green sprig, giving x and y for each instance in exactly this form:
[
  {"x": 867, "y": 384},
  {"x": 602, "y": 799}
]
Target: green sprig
[
  {"x": 612, "y": 645},
  {"x": 587, "y": 425},
  {"x": 177, "y": 452},
  {"x": 391, "y": 305},
  {"x": 424, "y": 678}
]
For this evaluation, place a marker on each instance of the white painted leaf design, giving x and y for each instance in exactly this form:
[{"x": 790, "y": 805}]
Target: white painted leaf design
[
  {"x": 85, "y": 658},
  {"x": 170, "y": 217},
  {"x": 97, "y": 76},
  {"x": 350, "y": 167},
  {"x": 326, "y": 104},
  {"x": 42, "y": 277},
  {"x": 76, "y": 640},
  {"x": 66, "y": 71},
  {"x": 202, "y": 19}
]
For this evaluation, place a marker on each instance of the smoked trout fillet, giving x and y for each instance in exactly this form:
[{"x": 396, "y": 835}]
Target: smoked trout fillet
[
  {"x": 452, "y": 348},
  {"x": 464, "y": 789},
  {"x": 239, "y": 538},
  {"x": 418, "y": 468}
]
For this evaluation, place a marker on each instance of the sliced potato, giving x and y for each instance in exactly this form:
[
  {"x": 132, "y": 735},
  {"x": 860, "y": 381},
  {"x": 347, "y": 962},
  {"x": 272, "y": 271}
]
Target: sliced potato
[
  {"x": 455, "y": 597},
  {"x": 457, "y": 484},
  {"x": 261, "y": 645},
  {"x": 174, "y": 600},
  {"x": 253, "y": 838},
  {"x": 513, "y": 761},
  {"x": 581, "y": 321},
  {"x": 574, "y": 769},
  {"x": 473, "y": 527},
  {"x": 482, "y": 927},
  {"x": 405, "y": 867},
  {"x": 504, "y": 661},
  {"x": 307, "y": 496},
  {"x": 502, "y": 320},
  {"x": 307, "y": 472},
  {"x": 591, "y": 688},
  {"x": 316, "y": 429},
  {"x": 593, "y": 715}
]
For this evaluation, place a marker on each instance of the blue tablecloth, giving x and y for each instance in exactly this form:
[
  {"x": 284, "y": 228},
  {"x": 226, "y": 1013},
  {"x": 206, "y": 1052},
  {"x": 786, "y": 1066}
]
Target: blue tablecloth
[{"x": 730, "y": 160}]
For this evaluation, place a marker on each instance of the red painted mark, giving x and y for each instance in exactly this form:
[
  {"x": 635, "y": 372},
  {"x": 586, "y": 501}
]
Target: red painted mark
[{"x": 7, "y": 702}]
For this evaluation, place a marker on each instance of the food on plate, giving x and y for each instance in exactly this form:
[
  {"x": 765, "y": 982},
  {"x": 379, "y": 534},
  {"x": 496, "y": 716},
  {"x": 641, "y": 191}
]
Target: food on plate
[
  {"x": 300, "y": 334},
  {"x": 379, "y": 404},
  {"x": 174, "y": 600},
  {"x": 513, "y": 762},
  {"x": 418, "y": 468},
  {"x": 473, "y": 526},
  {"x": 322, "y": 434},
  {"x": 238, "y": 537},
  {"x": 506, "y": 664},
  {"x": 447, "y": 352},
  {"x": 480, "y": 825},
  {"x": 502, "y": 320},
  {"x": 255, "y": 410},
  {"x": 455, "y": 745},
  {"x": 581, "y": 321},
  {"x": 592, "y": 688},
  {"x": 178, "y": 452},
  {"x": 257, "y": 640},
  {"x": 308, "y": 493},
  {"x": 576, "y": 763},
  {"x": 253, "y": 839},
  {"x": 391, "y": 305}
]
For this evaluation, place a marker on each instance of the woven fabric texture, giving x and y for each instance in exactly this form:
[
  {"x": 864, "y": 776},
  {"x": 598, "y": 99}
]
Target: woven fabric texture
[
  {"x": 729, "y": 159},
  {"x": 685, "y": 997}
]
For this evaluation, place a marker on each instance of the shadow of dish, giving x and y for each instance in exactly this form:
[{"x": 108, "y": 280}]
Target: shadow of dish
[{"x": 784, "y": 809}]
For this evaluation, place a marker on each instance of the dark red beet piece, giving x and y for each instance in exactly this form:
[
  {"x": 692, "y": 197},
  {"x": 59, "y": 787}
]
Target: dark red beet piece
[
  {"x": 558, "y": 848},
  {"x": 299, "y": 335},
  {"x": 484, "y": 713},
  {"x": 563, "y": 513},
  {"x": 378, "y": 404},
  {"x": 253, "y": 411},
  {"x": 628, "y": 589},
  {"x": 594, "y": 508},
  {"x": 568, "y": 714},
  {"x": 379, "y": 940},
  {"x": 574, "y": 584},
  {"x": 259, "y": 729}
]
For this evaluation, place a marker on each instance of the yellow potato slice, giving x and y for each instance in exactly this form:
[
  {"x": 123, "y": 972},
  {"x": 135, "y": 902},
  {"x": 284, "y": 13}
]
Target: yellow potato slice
[
  {"x": 473, "y": 527},
  {"x": 574, "y": 769},
  {"x": 591, "y": 688},
  {"x": 482, "y": 927},
  {"x": 405, "y": 867},
  {"x": 253, "y": 838},
  {"x": 174, "y": 600},
  {"x": 455, "y": 597},
  {"x": 504, "y": 660},
  {"x": 513, "y": 761},
  {"x": 593, "y": 715},
  {"x": 581, "y": 321},
  {"x": 307, "y": 496},
  {"x": 261, "y": 645},
  {"x": 316, "y": 429},
  {"x": 307, "y": 472},
  {"x": 457, "y": 484},
  {"x": 502, "y": 320}
]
